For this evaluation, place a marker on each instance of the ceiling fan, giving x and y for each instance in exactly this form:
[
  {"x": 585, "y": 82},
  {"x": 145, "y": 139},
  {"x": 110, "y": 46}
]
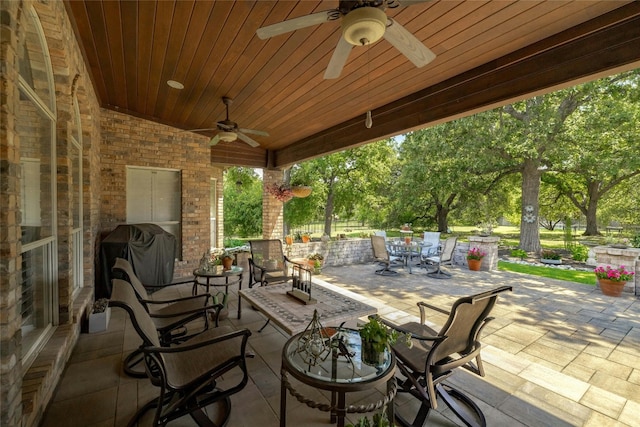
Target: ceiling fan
[
  {"x": 229, "y": 131},
  {"x": 363, "y": 22}
]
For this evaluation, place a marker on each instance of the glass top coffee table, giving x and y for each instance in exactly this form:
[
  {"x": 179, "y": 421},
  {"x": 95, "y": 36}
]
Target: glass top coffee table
[{"x": 338, "y": 369}]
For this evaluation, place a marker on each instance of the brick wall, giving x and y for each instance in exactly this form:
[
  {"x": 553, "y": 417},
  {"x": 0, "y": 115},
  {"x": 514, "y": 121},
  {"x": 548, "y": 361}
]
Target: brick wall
[
  {"x": 131, "y": 141},
  {"x": 272, "y": 208},
  {"x": 25, "y": 393}
]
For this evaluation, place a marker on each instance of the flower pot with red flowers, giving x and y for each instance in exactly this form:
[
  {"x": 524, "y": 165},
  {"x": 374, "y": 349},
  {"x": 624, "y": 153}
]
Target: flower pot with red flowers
[
  {"x": 474, "y": 258},
  {"x": 612, "y": 280}
]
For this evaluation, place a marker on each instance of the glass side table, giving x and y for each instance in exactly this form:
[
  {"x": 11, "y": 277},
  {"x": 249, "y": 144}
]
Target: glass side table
[
  {"x": 231, "y": 276},
  {"x": 340, "y": 371}
]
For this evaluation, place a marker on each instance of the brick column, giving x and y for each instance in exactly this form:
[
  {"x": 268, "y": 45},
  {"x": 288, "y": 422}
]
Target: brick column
[{"x": 272, "y": 209}]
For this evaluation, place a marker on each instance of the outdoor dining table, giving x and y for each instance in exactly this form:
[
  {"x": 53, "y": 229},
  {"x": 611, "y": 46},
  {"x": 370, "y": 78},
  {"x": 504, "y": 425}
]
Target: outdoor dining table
[{"x": 407, "y": 251}]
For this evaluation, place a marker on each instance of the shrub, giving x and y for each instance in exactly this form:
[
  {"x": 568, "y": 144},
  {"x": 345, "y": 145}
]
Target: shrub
[
  {"x": 550, "y": 254},
  {"x": 519, "y": 253},
  {"x": 580, "y": 253}
]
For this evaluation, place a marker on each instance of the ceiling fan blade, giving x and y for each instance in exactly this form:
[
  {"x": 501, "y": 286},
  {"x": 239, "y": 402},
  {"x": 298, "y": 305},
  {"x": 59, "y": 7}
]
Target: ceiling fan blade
[
  {"x": 338, "y": 59},
  {"x": 411, "y": 2},
  {"x": 248, "y": 140},
  {"x": 293, "y": 24},
  {"x": 214, "y": 140},
  {"x": 200, "y": 130},
  {"x": 408, "y": 44},
  {"x": 254, "y": 132}
]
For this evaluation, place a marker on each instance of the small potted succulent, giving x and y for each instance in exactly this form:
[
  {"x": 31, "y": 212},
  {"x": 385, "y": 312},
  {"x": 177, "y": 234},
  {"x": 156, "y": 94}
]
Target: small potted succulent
[{"x": 99, "y": 316}]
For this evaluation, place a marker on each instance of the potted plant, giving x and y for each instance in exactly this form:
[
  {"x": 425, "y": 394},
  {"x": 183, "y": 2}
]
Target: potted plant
[
  {"x": 612, "y": 280},
  {"x": 549, "y": 256},
  {"x": 375, "y": 337},
  {"x": 99, "y": 316},
  {"x": 306, "y": 237},
  {"x": 288, "y": 239},
  {"x": 474, "y": 258},
  {"x": 281, "y": 192},
  {"x": 315, "y": 260}
]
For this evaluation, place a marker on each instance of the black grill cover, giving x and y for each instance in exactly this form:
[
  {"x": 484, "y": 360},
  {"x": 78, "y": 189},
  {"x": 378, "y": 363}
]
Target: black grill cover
[{"x": 149, "y": 249}]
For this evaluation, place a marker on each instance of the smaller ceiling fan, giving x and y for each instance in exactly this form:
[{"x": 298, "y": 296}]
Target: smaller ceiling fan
[
  {"x": 229, "y": 131},
  {"x": 363, "y": 22}
]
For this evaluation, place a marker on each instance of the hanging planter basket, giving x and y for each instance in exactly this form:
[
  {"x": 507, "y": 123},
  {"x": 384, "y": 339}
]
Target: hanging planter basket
[{"x": 301, "y": 191}]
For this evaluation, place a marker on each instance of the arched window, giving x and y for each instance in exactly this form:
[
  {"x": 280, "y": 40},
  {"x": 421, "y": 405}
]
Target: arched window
[
  {"x": 75, "y": 154},
  {"x": 35, "y": 124}
]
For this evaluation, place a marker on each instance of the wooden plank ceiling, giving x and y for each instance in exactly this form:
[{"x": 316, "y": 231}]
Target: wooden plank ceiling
[{"x": 488, "y": 52}]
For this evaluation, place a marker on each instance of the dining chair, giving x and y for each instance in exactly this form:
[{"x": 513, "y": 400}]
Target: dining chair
[
  {"x": 445, "y": 257},
  {"x": 382, "y": 256}
]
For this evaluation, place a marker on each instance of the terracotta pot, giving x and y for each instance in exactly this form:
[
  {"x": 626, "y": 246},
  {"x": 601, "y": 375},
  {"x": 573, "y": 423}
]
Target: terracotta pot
[
  {"x": 474, "y": 264},
  {"x": 289, "y": 240},
  {"x": 227, "y": 262},
  {"x": 611, "y": 288},
  {"x": 305, "y": 239}
]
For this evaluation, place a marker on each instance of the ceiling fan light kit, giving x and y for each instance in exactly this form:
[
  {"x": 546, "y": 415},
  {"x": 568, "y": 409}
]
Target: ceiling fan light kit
[
  {"x": 227, "y": 136},
  {"x": 363, "y": 22},
  {"x": 364, "y": 26}
]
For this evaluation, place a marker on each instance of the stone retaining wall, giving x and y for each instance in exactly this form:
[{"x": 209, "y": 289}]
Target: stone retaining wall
[
  {"x": 335, "y": 252},
  {"x": 615, "y": 257}
]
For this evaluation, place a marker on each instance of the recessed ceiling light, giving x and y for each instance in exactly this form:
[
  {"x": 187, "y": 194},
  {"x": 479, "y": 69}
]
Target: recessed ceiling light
[{"x": 174, "y": 84}]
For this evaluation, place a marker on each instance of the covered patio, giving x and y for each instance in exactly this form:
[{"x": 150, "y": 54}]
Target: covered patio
[
  {"x": 86, "y": 110},
  {"x": 558, "y": 353}
]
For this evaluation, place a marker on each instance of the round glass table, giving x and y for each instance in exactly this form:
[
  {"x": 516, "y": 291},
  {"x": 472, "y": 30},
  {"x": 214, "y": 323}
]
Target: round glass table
[{"x": 334, "y": 363}]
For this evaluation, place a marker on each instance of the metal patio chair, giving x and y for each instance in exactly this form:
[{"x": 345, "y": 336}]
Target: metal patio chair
[
  {"x": 187, "y": 374},
  {"x": 435, "y": 355}
]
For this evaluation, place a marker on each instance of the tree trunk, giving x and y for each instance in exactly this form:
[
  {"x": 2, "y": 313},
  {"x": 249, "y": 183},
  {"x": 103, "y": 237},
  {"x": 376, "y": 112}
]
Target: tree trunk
[
  {"x": 328, "y": 213},
  {"x": 442, "y": 218},
  {"x": 593, "y": 189},
  {"x": 529, "y": 232}
]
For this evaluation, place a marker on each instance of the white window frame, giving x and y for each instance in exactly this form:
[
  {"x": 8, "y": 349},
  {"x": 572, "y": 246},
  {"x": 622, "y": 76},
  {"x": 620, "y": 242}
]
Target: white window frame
[
  {"x": 49, "y": 246},
  {"x": 147, "y": 194}
]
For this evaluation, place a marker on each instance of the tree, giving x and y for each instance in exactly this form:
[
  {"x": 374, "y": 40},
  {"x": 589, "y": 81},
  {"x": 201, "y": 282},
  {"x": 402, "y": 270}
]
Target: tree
[
  {"x": 242, "y": 202},
  {"x": 442, "y": 173},
  {"x": 344, "y": 181},
  {"x": 603, "y": 150}
]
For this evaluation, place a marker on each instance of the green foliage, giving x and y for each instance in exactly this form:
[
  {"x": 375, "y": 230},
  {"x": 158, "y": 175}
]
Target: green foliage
[
  {"x": 550, "y": 254},
  {"x": 380, "y": 335},
  {"x": 635, "y": 241},
  {"x": 519, "y": 253},
  {"x": 230, "y": 242},
  {"x": 379, "y": 420},
  {"x": 586, "y": 277},
  {"x": 242, "y": 203},
  {"x": 579, "y": 252}
]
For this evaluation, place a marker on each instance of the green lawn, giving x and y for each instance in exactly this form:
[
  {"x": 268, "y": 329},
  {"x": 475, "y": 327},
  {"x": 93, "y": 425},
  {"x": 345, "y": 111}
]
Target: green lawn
[{"x": 586, "y": 277}]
